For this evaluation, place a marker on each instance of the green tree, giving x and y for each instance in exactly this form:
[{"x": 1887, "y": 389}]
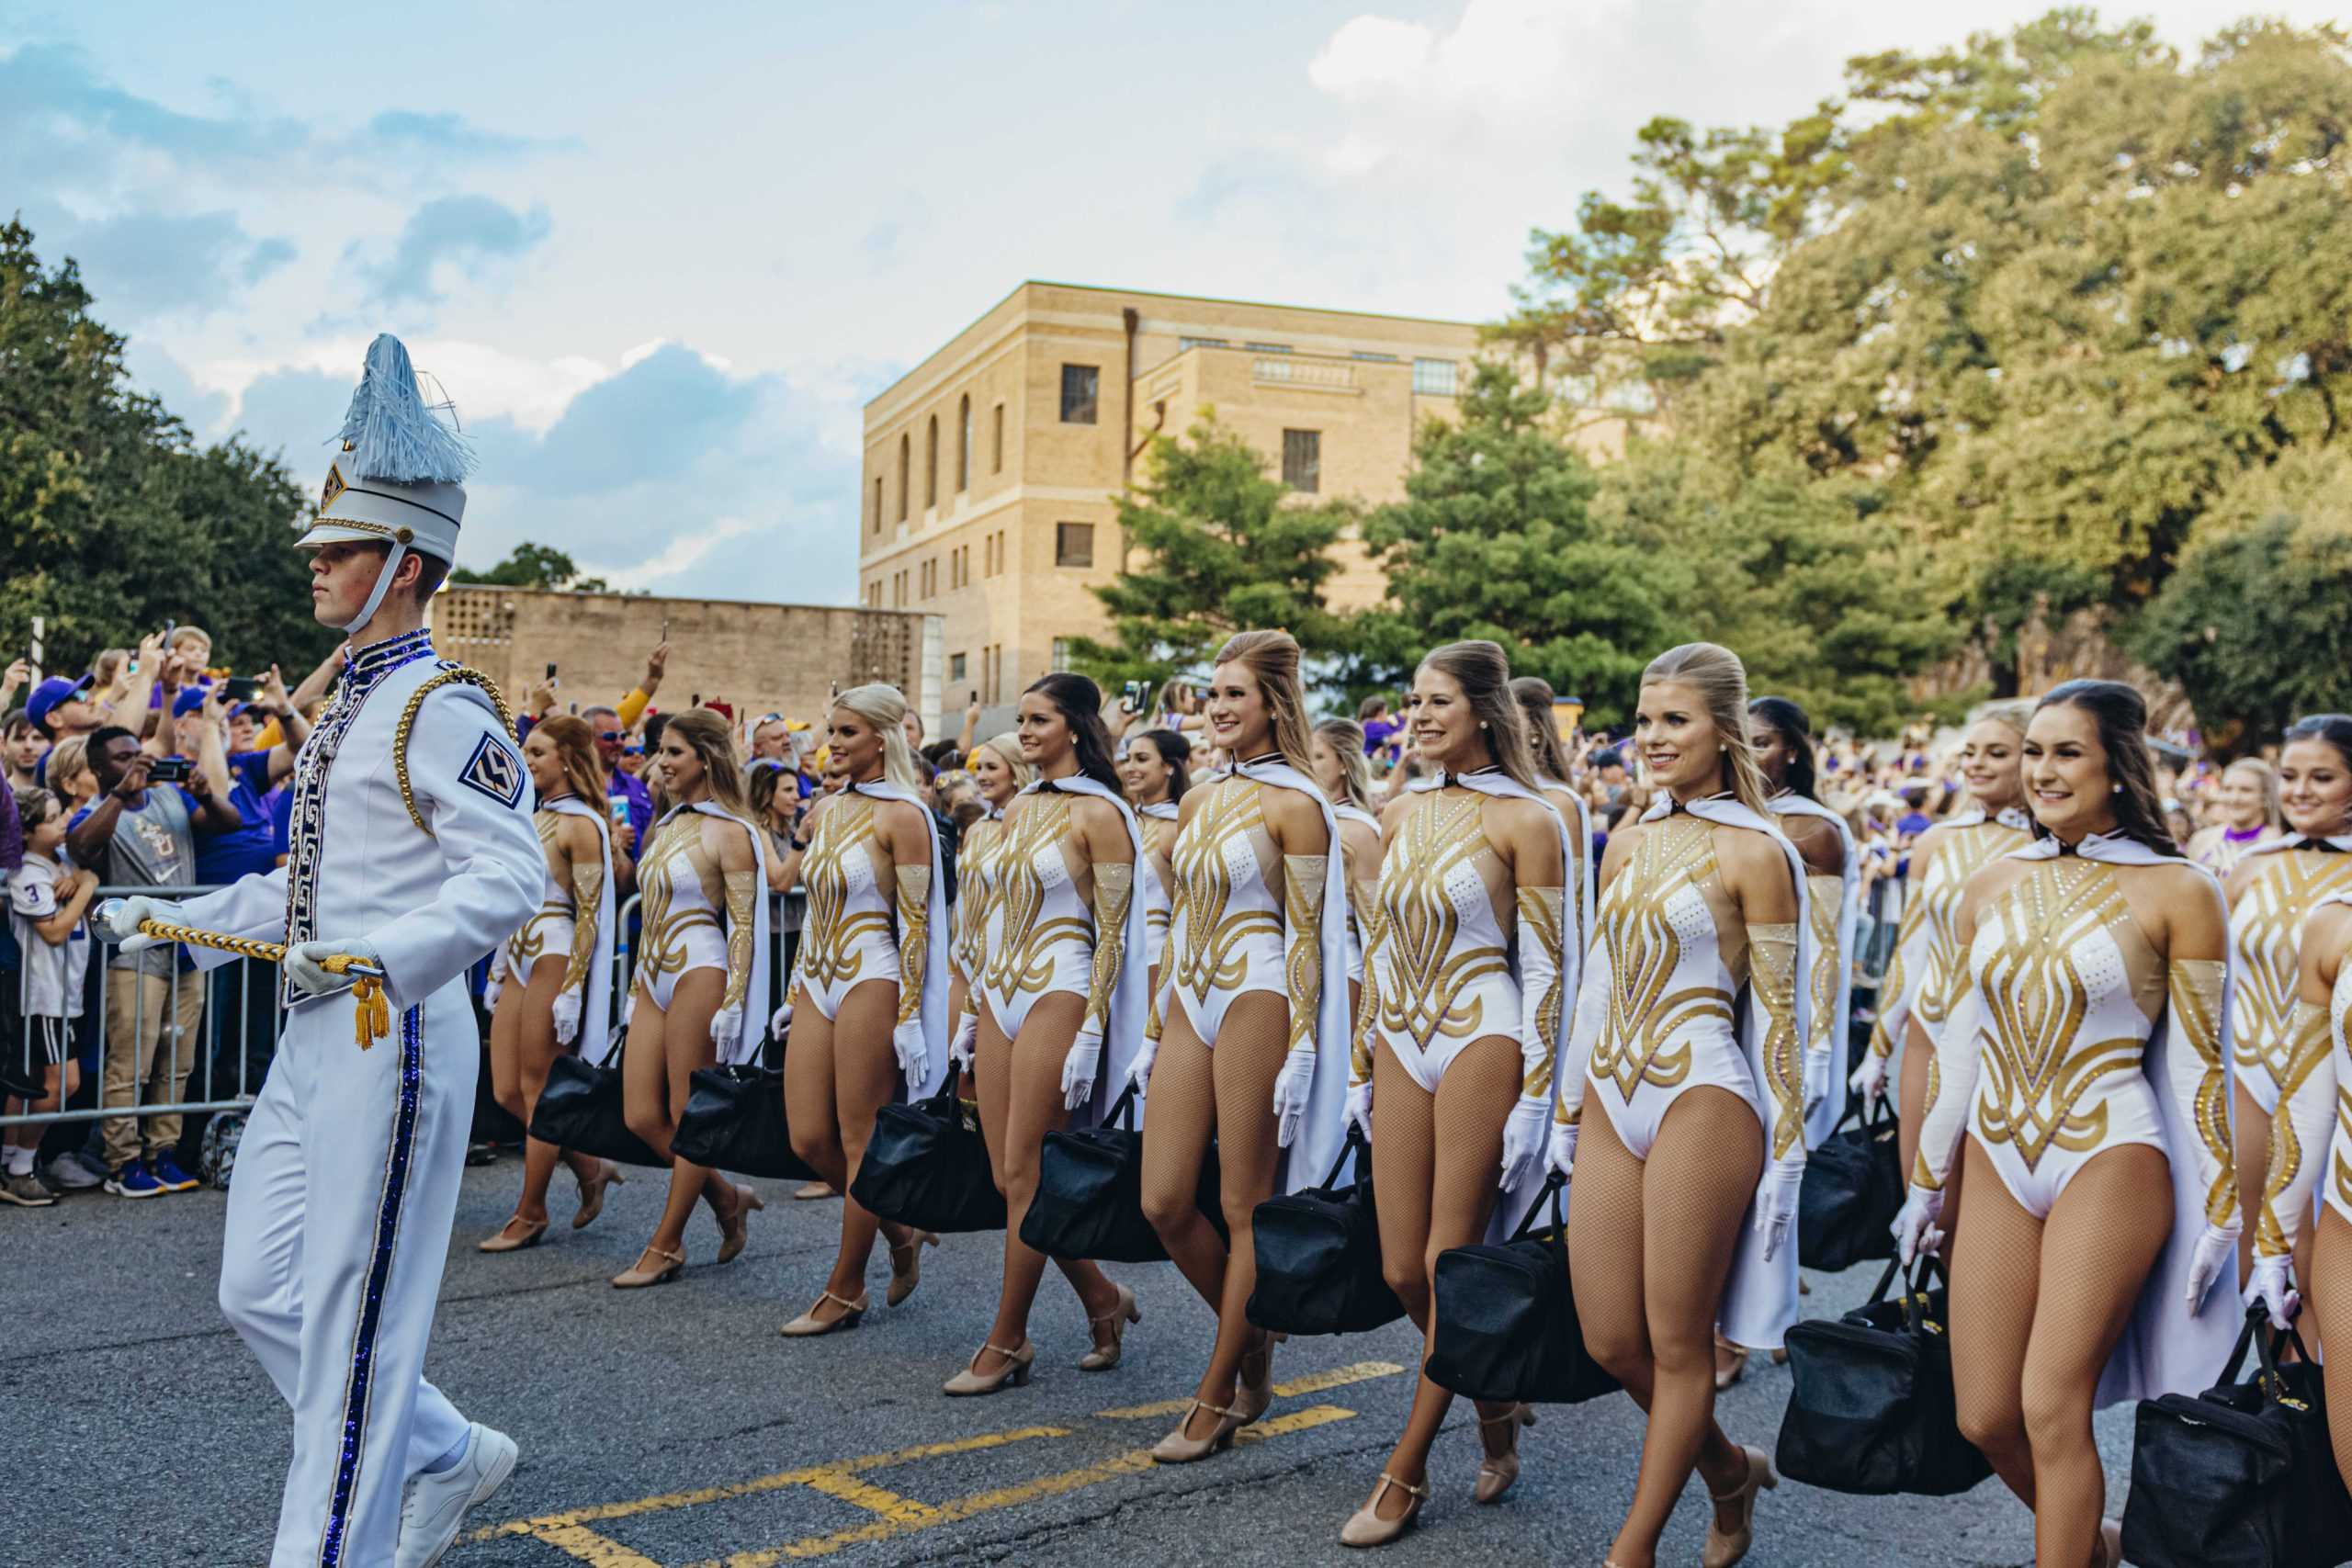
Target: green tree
[
  {"x": 112, "y": 519},
  {"x": 1217, "y": 546},
  {"x": 1494, "y": 538},
  {"x": 534, "y": 566}
]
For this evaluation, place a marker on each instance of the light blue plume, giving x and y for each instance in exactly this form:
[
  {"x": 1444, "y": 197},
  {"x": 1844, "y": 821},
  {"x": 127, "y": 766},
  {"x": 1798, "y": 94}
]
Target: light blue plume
[{"x": 391, "y": 431}]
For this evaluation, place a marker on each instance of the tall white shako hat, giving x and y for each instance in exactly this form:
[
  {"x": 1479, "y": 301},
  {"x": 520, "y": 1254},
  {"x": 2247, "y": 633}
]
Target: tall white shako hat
[{"x": 397, "y": 475}]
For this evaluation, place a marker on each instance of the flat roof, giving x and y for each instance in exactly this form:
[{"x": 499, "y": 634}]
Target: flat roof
[{"x": 1160, "y": 294}]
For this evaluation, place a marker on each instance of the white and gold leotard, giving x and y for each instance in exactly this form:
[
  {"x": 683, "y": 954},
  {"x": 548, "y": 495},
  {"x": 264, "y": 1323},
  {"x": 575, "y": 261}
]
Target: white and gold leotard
[
  {"x": 1226, "y": 927},
  {"x": 565, "y": 921},
  {"x": 1039, "y": 932},
  {"x": 975, "y": 895},
  {"x": 846, "y": 938},
  {"x": 1363, "y": 888},
  {"x": 1927, "y": 946},
  {"x": 681, "y": 896},
  {"x": 2310, "y": 1135},
  {"x": 2286, "y": 881}
]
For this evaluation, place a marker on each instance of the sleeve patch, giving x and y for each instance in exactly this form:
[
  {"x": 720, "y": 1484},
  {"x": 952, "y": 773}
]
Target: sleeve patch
[{"x": 494, "y": 770}]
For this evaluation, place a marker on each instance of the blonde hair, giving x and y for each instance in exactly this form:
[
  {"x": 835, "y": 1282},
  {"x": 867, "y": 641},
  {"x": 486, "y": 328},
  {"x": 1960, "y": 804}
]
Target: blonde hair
[
  {"x": 1534, "y": 695},
  {"x": 1721, "y": 680},
  {"x": 712, "y": 739},
  {"x": 1345, "y": 736},
  {"x": 1008, "y": 750},
  {"x": 575, "y": 749},
  {"x": 68, "y": 760},
  {"x": 1483, "y": 672},
  {"x": 885, "y": 707},
  {"x": 2267, "y": 777},
  {"x": 2012, "y": 714},
  {"x": 1272, "y": 658}
]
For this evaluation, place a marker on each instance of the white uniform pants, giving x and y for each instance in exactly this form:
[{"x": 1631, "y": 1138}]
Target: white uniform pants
[{"x": 339, "y": 1220}]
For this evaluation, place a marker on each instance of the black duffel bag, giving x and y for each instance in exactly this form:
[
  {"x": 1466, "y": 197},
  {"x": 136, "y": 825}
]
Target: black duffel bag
[
  {"x": 580, "y": 1109},
  {"x": 1318, "y": 1256},
  {"x": 2243, "y": 1475},
  {"x": 926, "y": 1165},
  {"x": 734, "y": 1120},
  {"x": 1871, "y": 1408},
  {"x": 1853, "y": 1190},
  {"x": 1507, "y": 1325},
  {"x": 1088, "y": 1202}
]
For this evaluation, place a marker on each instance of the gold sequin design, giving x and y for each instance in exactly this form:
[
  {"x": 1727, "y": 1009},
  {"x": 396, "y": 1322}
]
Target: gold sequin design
[
  {"x": 914, "y": 938},
  {"x": 2309, "y": 1046},
  {"x": 1959, "y": 853},
  {"x": 1539, "y": 929},
  {"x": 1304, "y": 885},
  {"x": 1157, "y": 833},
  {"x": 1115, "y": 891},
  {"x": 1825, "y": 895},
  {"x": 2037, "y": 1068},
  {"x": 975, "y": 892},
  {"x": 1023, "y": 960},
  {"x": 1427, "y": 970},
  {"x": 2265, "y": 929},
  {"x": 2193, "y": 1006},
  {"x": 671, "y": 856},
  {"x": 1210, "y": 956},
  {"x": 1646, "y": 1034},
  {"x": 831, "y": 932},
  {"x": 1772, "y": 976}
]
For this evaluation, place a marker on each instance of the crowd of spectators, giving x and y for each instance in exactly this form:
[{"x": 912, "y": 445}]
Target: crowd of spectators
[{"x": 158, "y": 768}]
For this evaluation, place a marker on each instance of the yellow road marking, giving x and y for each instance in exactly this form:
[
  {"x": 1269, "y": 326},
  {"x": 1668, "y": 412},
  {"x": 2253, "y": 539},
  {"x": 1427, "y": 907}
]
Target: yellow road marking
[
  {"x": 1133, "y": 1463},
  {"x": 587, "y": 1546},
  {"x": 1313, "y": 1383},
  {"x": 871, "y": 1498}
]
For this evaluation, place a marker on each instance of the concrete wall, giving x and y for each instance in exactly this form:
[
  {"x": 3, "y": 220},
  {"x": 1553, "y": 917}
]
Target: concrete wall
[{"x": 758, "y": 658}]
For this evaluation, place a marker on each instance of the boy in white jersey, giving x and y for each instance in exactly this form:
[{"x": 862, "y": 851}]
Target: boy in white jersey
[{"x": 46, "y": 900}]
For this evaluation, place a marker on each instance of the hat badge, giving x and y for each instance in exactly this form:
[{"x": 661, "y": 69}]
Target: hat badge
[{"x": 333, "y": 488}]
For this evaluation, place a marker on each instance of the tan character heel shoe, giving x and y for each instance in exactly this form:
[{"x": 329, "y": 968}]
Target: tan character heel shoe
[
  {"x": 906, "y": 1267},
  {"x": 1113, "y": 1324},
  {"x": 1497, "y": 1471},
  {"x": 1178, "y": 1448},
  {"x": 637, "y": 1275},
  {"x": 808, "y": 1325},
  {"x": 971, "y": 1381},
  {"x": 591, "y": 1195},
  {"x": 509, "y": 1238},
  {"x": 1725, "y": 1548},
  {"x": 1366, "y": 1528}
]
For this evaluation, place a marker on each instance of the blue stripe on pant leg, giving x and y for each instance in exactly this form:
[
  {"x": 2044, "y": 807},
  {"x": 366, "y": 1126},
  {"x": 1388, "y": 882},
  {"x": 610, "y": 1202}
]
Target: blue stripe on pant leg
[{"x": 371, "y": 1301}]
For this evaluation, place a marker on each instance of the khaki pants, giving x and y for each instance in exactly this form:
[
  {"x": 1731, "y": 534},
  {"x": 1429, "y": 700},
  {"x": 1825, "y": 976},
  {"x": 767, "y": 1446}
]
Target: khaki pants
[{"x": 148, "y": 1059}]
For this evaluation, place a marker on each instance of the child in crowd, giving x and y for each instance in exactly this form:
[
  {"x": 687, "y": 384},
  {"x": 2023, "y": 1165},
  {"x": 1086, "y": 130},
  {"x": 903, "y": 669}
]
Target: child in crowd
[{"x": 46, "y": 902}]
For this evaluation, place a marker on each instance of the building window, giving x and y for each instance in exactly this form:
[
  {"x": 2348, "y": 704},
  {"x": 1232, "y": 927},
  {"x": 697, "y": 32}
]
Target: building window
[
  {"x": 1303, "y": 460},
  {"x": 1073, "y": 545},
  {"x": 877, "y": 504},
  {"x": 930, "y": 464},
  {"x": 964, "y": 447},
  {"x": 1080, "y": 386},
  {"x": 956, "y": 668},
  {"x": 1061, "y": 653},
  {"x": 1184, "y": 342},
  {"x": 1267, "y": 347},
  {"x": 1435, "y": 378},
  {"x": 1372, "y": 355},
  {"x": 997, "y": 467},
  {"x": 906, "y": 473}
]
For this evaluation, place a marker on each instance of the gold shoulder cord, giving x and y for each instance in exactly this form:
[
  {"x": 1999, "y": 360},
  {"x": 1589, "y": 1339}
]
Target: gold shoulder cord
[
  {"x": 1773, "y": 960},
  {"x": 461, "y": 676}
]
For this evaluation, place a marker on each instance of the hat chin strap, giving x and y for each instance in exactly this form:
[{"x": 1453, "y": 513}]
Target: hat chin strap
[{"x": 375, "y": 596}]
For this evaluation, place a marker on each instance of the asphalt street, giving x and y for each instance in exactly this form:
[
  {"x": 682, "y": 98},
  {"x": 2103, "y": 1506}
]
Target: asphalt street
[{"x": 673, "y": 1425}]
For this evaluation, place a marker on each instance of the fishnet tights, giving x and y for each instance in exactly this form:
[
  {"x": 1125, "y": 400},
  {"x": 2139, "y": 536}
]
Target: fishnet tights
[
  {"x": 1228, "y": 1093},
  {"x": 838, "y": 1074},
  {"x": 1650, "y": 1244},
  {"x": 2037, "y": 1307},
  {"x": 1436, "y": 1167},
  {"x": 2329, "y": 1294}
]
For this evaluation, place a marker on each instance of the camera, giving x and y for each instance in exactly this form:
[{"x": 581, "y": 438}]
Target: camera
[{"x": 171, "y": 770}]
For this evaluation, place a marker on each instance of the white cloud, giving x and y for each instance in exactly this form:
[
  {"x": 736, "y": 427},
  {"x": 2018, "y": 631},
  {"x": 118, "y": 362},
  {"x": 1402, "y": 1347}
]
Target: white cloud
[
  {"x": 1369, "y": 53},
  {"x": 679, "y": 556},
  {"x": 484, "y": 382}
]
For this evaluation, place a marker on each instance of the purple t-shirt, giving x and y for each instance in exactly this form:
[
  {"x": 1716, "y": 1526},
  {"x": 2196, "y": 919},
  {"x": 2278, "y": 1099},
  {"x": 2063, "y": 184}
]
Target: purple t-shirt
[{"x": 1376, "y": 733}]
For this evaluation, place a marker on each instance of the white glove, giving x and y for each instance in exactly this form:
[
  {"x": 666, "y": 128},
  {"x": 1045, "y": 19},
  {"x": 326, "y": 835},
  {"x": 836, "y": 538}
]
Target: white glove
[
  {"x": 1139, "y": 1071},
  {"x": 124, "y": 926},
  {"x": 727, "y": 1029},
  {"x": 304, "y": 964},
  {"x": 566, "y": 1016},
  {"x": 2272, "y": 1288},
  {"x": 1360, "y": 1109},
  {"x": 493, "y": 988},
  {"x": 2217, "y": 1250},
  {"x": 1869, "y": 1082},
  {"x": 1523, "y": 1137},
  {"x": 1564, "y": 1147},
  {"x": 914, "y": 1057},
  {"x": 1290, "y": 1094},
  {"x": 1079, "y": 1069},
  {"x": 1816, "y": 1084},
  {"x": 780, "y": 1022},
  {"x": 1914, "y": 1228},
  {"x": 1776, "y": 1204},
  {"x": 964, "y": 1050}
]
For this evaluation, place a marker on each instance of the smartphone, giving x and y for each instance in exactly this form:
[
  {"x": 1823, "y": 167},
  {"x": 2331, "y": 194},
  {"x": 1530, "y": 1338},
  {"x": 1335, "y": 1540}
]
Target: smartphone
[
  {"x": 665, "y": 629},
  {"x": 974, "y": 698},
  {"x": 550, "y": 669},
  {"x": 170, "y": 770},
  {"x": 242, "y": 688},
  {"x": 620, "y": 807},
  {"x": 1134, "y": 696}
]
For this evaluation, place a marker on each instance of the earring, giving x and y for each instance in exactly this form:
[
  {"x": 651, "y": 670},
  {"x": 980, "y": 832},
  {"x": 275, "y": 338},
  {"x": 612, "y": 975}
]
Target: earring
[
  {"x": 1481, "y": 723},
  {"x": 2115, "y": 789}
]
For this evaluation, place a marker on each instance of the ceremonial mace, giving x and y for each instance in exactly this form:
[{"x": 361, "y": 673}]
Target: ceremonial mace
[{"x": 372, "y": 1018}]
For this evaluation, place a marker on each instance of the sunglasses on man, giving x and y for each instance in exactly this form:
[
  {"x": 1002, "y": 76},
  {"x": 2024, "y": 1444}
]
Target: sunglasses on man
[{"x": 612, "y": 734}]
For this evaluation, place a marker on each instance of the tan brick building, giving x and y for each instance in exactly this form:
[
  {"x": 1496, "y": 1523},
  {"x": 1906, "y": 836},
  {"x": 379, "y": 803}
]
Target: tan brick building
[
  {"x": 991, "y": 468},
  {"x": 757, "y": 657}
]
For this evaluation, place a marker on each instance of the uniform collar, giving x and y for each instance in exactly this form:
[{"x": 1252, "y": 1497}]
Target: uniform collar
[{"x": 372, "y": 663}]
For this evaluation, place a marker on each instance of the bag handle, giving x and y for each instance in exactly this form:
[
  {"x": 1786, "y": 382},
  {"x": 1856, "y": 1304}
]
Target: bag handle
[
  {"x": 1553, "y": 1185},
  {"x": 1885, "y": 1282},
  {"x": 1925, "y": 1273},
  {"x": 1354, "y": 1145},
  {"x": 2248, "y": 1337},
  {"x": 1123, "y": 1110},
  {"x": 613, "y": 1046},
  {"x": 2274, "y": 1387}
]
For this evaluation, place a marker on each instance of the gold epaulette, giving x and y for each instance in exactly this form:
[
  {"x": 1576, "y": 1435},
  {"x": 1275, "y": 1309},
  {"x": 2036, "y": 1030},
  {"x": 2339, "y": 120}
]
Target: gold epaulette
[{"x": 457, "y": 675}]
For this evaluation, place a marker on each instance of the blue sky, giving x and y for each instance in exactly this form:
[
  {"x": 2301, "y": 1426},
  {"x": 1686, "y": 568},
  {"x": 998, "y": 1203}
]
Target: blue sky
[{"x": 660, "y": 257}]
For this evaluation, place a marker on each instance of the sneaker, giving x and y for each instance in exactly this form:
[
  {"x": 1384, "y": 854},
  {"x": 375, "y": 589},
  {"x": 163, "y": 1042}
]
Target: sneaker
[
  {"x": 434, "y": 1508},
  {"x": 169, "y": 1176},
  {"x": 24, "y": 1190},
  {"x": 135, "y": 1180},
  {"x": 70, "y": 1172}
]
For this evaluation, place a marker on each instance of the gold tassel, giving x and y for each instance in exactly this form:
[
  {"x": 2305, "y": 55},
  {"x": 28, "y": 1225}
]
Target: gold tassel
[{"x": 371, "y": 1014}]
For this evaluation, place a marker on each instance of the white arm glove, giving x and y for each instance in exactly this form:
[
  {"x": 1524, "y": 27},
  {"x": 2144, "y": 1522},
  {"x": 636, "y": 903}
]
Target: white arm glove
[
  {"x": 1524, "y": 1138},
  {"x": 727, "y": 1029},
  {"x": 1079, "y": 1068},
  {"x": 913, "y": 1052},
  {"x": 780, "y": 1022},
  {"x": 1564, "y": 1147},
  {"x": 566, "y": 1016},
  {"x": 2217, "y": 1249},
  {"x": 1914, "y": 1228},
  {"x": 494, "y": 985},
  {"x": 1775, "y": 1203},
  {"x": 965, "y": 1048},
  {"x": 1360, "y": 1109},
  {"x": 2272, "y": 1288},
  {"x": 1869, "y": 1082},
  {"x": 123, "y": 927},
  {"x": 303, "y": 965}
]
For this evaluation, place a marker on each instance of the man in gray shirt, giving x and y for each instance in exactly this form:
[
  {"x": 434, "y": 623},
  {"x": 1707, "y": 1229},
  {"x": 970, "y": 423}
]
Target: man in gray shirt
[{"x": 141, "y": 835}]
